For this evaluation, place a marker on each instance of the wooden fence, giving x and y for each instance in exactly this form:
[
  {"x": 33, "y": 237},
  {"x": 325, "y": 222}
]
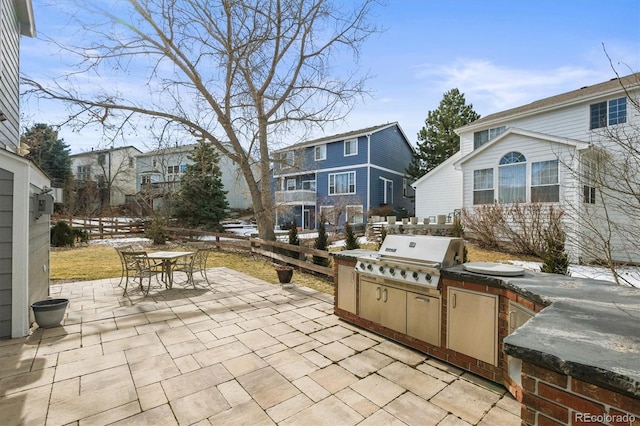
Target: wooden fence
[
  {"x": 98, "y": 228},
  {"x": 275, "y": 250}
]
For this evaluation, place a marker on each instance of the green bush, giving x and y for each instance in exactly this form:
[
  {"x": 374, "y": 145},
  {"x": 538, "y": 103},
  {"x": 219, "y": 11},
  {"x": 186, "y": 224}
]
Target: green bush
[
  {"x": 293, "y": 239},
  {"x": 156, "y": 230},
  {"x": 554, "y": 258},
  {"x": 63, "y": 235},
  {"x": 351, "y": 241},
  {"x": 322, "y": 243}
]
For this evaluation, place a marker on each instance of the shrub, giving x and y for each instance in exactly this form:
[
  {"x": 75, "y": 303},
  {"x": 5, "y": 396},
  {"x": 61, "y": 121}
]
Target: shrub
[
  {"x": 351, "y": 242},
  {"x": 457, "y": 230},
  {"x": 383, "y": 235},
  {"x": 156, "y": 230},
  {"x": 554, "y": 257},
  {"x": 515, "y": 227},
  {"x": 62, "y": 235},
  {"x": 321, "y": 243},
  {"x": 293, "y": 239}
]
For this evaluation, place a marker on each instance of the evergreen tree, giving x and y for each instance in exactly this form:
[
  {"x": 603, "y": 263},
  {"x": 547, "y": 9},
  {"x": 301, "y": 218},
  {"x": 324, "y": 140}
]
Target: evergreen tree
[
  {"x": 322, "y": 243},
  {"x": 293, "y": 238},
  {"x": 554, "y": 259},
  {"x": 437, "y": 140},
  {"x": 201, "y": 199},
  {"x": 351, "y": 241},
  {"x": 49, "y": 153}
]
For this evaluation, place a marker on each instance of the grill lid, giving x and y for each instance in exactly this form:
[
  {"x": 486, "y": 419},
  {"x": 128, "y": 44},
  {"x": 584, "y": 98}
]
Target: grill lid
[{"x": 444, "y": 251}]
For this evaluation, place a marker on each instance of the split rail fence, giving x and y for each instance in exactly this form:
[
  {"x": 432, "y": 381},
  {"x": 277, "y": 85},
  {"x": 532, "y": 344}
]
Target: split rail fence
[{"x": 280, "y": 252}]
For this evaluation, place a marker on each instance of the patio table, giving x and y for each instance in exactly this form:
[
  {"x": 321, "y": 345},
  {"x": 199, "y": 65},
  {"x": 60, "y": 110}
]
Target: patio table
[{"x": 168, "y": 258}]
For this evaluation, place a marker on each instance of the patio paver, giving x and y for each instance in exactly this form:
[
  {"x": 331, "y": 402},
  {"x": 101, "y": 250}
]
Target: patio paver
[{"x": 238, "y": 351}]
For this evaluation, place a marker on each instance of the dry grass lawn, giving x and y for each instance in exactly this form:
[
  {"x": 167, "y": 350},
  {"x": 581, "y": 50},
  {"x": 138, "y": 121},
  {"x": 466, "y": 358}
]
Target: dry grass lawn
[{"x": 95, "y": 262}]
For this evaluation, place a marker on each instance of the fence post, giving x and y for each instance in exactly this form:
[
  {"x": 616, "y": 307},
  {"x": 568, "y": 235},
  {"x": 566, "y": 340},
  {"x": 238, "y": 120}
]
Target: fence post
[{"x": 100, "y": 228}]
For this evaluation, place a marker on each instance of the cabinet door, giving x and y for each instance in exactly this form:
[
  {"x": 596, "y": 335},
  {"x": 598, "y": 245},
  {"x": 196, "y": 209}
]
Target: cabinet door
[
  {"x": 370, "y": 296},
  {"x": 423, "y": 318},
  {"x": 347, "y": 288},
  {"x": 518, "y": 315},
  {"x": 394, "y": 309},
  {"x": 472, "y": 324}
]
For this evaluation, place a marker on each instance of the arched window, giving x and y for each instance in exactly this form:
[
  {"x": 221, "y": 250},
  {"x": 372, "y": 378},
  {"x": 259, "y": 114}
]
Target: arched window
[{"x": 512, "y": 182}]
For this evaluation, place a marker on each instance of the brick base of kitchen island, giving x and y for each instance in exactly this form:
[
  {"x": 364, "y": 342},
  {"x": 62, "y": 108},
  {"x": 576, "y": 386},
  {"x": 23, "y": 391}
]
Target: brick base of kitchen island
[{"x": 497, "y": 373}]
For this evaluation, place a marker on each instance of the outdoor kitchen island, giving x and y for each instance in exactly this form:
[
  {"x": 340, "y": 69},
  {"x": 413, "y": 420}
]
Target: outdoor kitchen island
[{"x": 567, "y": 348}]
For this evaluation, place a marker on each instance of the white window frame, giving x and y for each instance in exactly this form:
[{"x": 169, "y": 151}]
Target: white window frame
[
  {"x": 556, "y": 184},
  {"x": 503, "y": 167},
  {"x": 354, "y": 210},
  {"x": 491, "y": 134},
  {"x": 311, "y": 185},
  {"x": 608, "y": 119},
  {"x": 320, "y": 152},
  {"x": 291, "y": 185},
  {"x": 384, "y": 190},
  {"x": 288, "y": 158},
  {"x": 332, "y": 186},
  {"x": 490, "y": 185},
  {"x": 350, "y": 143},
  {"x": 330, "y": 216}
]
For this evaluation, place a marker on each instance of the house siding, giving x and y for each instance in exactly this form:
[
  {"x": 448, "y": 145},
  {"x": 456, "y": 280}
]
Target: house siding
[
  {"x": 568, "y": 122},
  {"x": 6, "y": 222},
  {"x": 238, "y": 194},
  {"x": 383, "y": 151},
  {"x": 533, "y": 149},
  {"x": 39, "y": 243},
  {"x": 440, "y": 191},
  {"x": 9, "y": 63}
]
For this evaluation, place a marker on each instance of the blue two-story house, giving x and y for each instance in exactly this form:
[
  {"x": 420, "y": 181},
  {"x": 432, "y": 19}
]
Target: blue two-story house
[{"x": 343, "y": 177}]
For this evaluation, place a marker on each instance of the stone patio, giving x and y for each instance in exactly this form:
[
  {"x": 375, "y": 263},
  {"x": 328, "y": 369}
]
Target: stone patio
[{"x": 238, "y": 351}]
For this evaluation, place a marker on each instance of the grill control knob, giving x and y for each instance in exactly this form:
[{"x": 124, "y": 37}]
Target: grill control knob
[
  {"x": 369, "y": 267},
  {"x": 381, "y": 269},
  {"x": 403, "y": 272},
  {"x": 392, "y": 271},
  {"x": 427, "y": 277},
  {"x": 415, "y": 275},
  {"x": 361, "y": 265}
]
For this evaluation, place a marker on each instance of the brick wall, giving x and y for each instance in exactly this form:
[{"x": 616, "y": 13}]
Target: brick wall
[{"x": 551, "y": 398}]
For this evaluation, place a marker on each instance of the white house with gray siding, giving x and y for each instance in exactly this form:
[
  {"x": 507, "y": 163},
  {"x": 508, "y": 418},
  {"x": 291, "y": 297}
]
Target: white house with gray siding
[
  {"x": 112, "y": 168},
  {"x": 543, "y": 151},
  {"x": 160, "y": 171},
  {"x": 439, "y": 192},
  {"x": 24, "y": 230}
]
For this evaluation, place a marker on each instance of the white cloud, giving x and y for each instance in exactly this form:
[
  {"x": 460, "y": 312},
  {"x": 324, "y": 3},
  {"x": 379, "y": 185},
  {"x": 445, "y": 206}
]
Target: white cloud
[{"x": 492, "y": 87}]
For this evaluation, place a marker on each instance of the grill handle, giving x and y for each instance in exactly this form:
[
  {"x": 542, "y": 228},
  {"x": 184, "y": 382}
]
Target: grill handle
[
  {"x": 453, "y": 301},
  {"x": 378, "y": 295},
  {"x": 384, "y": 295},
  {"x": 422, "y": 299}
]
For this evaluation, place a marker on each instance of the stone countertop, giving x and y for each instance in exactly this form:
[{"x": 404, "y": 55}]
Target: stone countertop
[
  {"x": 590, "y": 329},
  {"x": 352, "y": 255}
]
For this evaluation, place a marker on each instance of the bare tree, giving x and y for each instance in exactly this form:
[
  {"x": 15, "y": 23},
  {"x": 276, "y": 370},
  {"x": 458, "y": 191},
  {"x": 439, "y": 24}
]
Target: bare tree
[
  {"x": 606, "y": 213},
  {"x": 247, "y": 72}
]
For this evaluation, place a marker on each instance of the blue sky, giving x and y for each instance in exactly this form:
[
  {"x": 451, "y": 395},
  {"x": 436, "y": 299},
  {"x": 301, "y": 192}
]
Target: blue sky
[{"x": 500, "y": 54}]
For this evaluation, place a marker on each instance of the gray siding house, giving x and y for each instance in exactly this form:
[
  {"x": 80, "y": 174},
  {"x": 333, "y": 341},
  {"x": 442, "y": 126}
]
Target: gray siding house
[
  {"x": 24, "y": 230},
  {"x": 158, "y": 172}
]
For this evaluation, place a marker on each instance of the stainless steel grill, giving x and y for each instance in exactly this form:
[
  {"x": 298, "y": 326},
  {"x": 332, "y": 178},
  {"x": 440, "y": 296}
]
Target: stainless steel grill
[{"x": 414, "y": 259}]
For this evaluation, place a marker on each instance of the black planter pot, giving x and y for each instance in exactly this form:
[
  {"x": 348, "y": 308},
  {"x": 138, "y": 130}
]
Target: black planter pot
[
  {"x": 285, "y": 275},
  {"x": 49, "y": 313}
]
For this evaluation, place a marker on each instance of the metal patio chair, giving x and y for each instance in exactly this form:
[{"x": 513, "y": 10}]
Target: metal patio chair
[
  {"x": 140, "y": 267},
  {"x": 119, "y": 250},
  {"x": 194, "y": 264}
]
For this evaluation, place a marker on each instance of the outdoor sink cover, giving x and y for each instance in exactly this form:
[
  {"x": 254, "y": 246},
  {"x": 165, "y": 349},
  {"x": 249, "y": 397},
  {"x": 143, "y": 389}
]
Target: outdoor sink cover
[{"x": 491, "y": 268}]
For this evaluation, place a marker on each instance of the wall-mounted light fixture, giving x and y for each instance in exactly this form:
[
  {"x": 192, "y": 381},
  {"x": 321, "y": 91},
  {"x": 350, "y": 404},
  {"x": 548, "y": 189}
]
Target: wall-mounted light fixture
[{"x": 2, "y": 116}]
